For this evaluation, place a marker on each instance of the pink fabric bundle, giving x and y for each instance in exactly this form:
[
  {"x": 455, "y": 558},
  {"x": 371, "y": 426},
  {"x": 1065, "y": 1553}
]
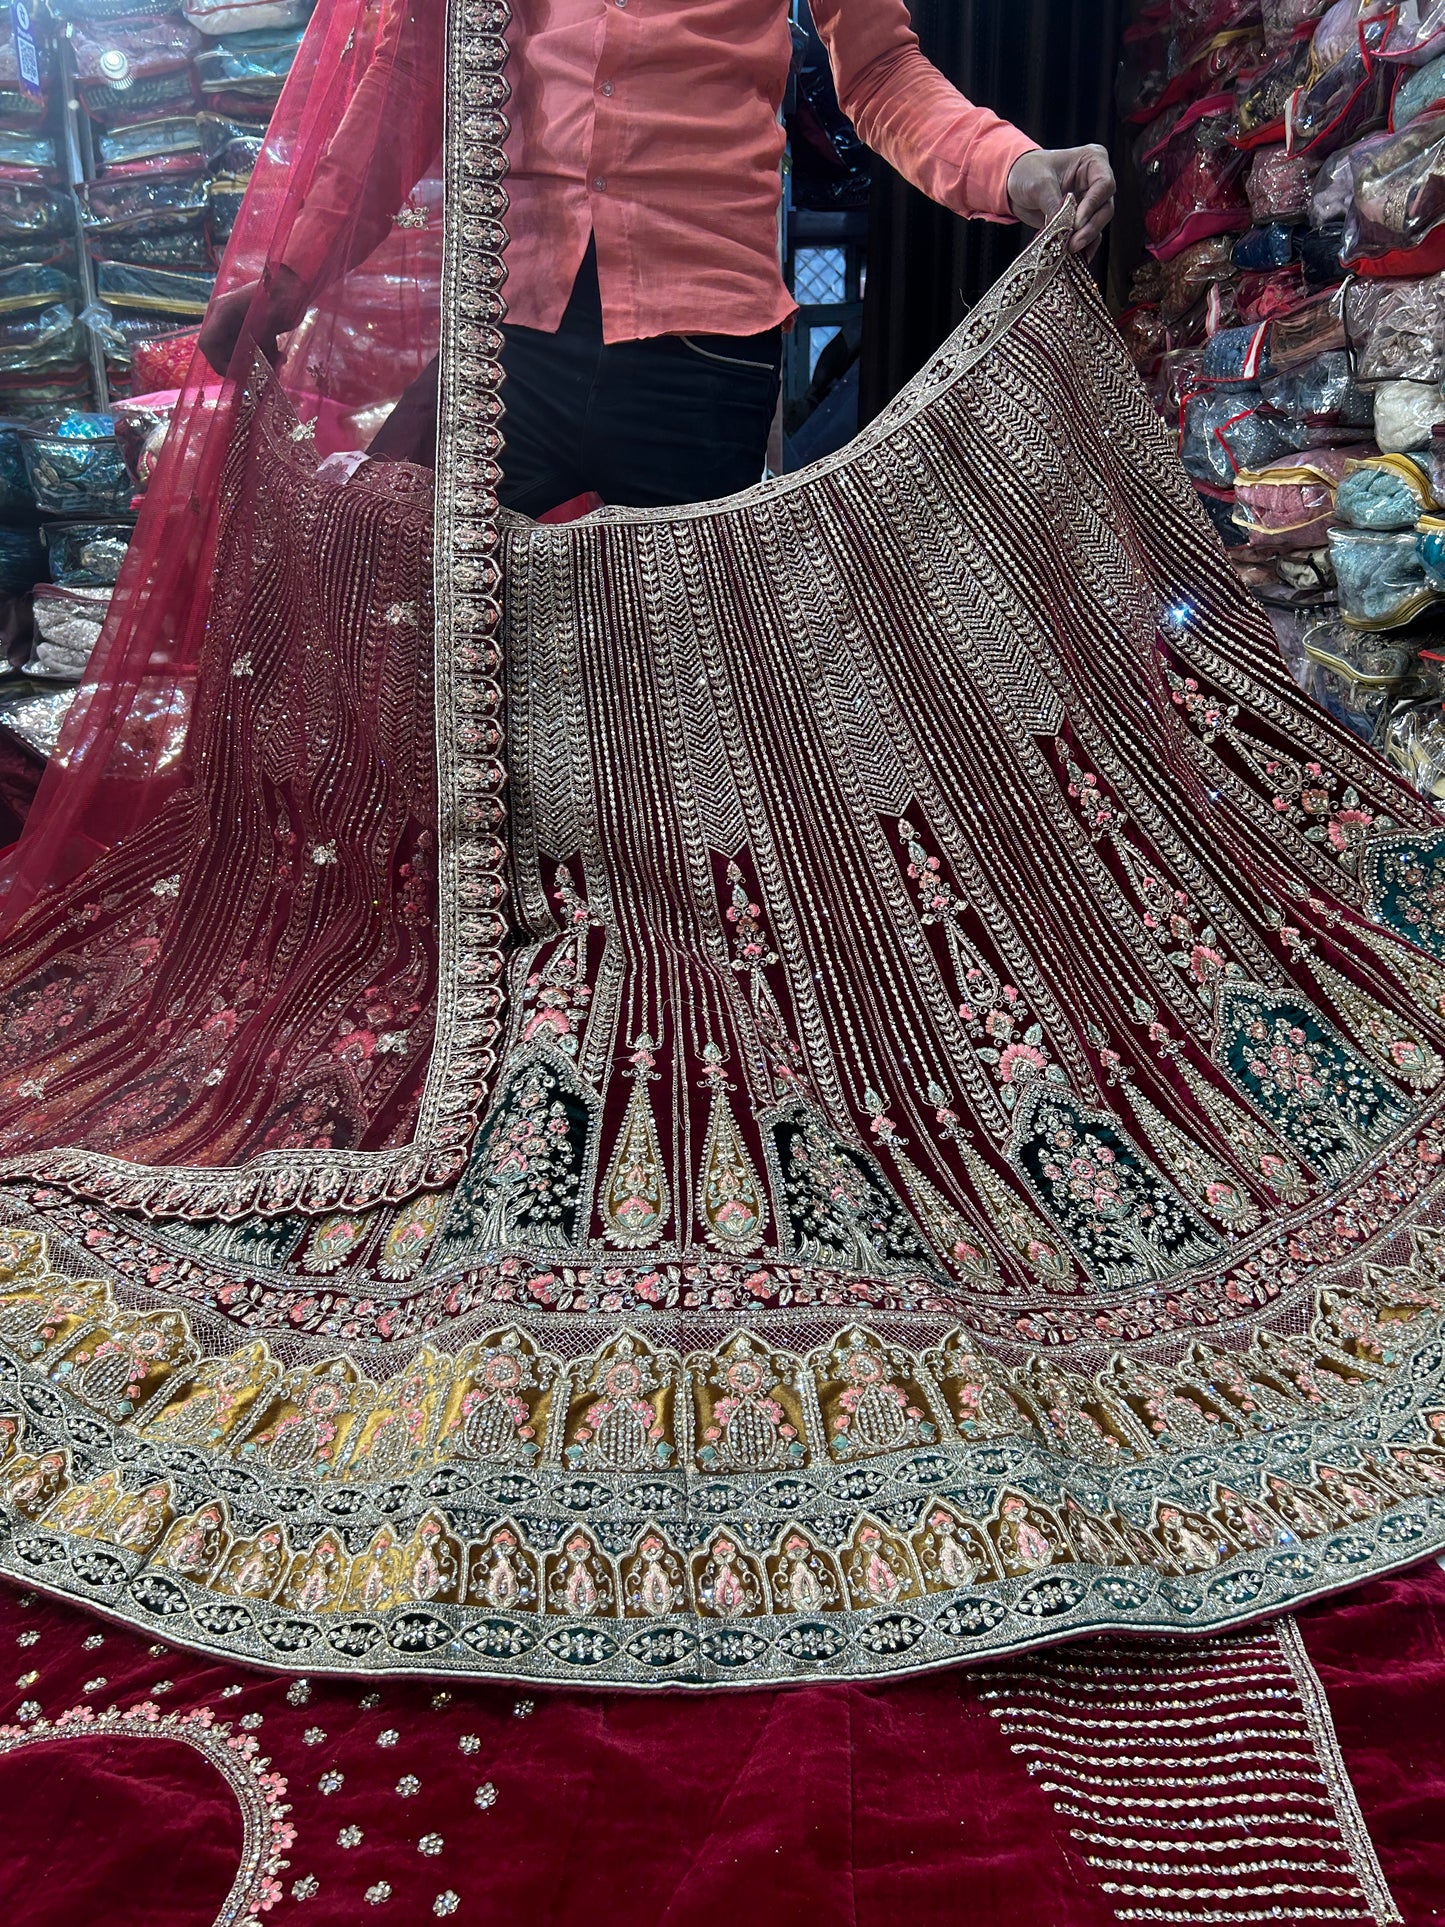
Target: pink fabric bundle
[
  {"x": 1280, "y": 185},
  {"x": 1288, "y": 505},
  {"x": 1205, "y": 191}
]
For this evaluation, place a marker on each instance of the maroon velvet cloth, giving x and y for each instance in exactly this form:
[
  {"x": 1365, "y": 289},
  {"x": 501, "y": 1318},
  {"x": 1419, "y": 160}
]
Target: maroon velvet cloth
[
  {"x": 1380, "y": 1654},
  {"x": 898, "y": 1805},
  {"x": 106, "y": 1830}
]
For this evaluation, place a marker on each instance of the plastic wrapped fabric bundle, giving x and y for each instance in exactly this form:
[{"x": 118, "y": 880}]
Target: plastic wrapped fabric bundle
[
  {"x": 1355, "y": 675},
  {"x": 39, "y": 339},
  {"x": 1289, "y": 503},
  {"x": 218, "y": 17},
  {"x": 1218, "y": 63},
  {"x": 1417, "y": 31},
  {"x": 16, "y": 495},
  {"x": 1286, "y": 20},
  {"x": 1264, "y": 100},
  {"x": 1397, "y": 329},
  {"x": 1406, "y": 413},
  {"x": 224, "y": 196},
  {"x": 160, "y": 221},
  {"x": 1348, "y": 92},
  {"x": 248, "y": 70},
  {"x": 1143, "y": 71},
  {"x": 163, "y": 290},
  {"x": 1380, "y": 576},
  {"x": 1397, "y": 203},
  {"x": 1237, "y": 355},
  {"x": 1192, "y": 273},
  {"x": 33, "y": 217},
  {"x": 1319, "y": 253},
  {"x": 151, "y": 147},
  {"x": 76, "y": 468},
  {"x": 28, "y": 158},
  {"x": 67, "y": 624},
  {"x": 1264, "y": 297},
  {"x": 134, "y": 68},
  {"x": 1321, "y": 401},
  {"x": 231, "y": 144},
  {"x": 1205, "y": 192},
  {"x": 1227, "y": 430},
  {"x": 140, "y": 428},
  {"x": 86, "y": 554},
  {"x": 1263, "y": 248},
  {"x": 1143, "y": 330},
  {"x": 1330, "y": 197},
  {"x": 1385, "y": 492},
  {"x": 1279, "y": 185},
  {"x": 1315, "y": 329},
  {"x": 28, "y": 287},
  {"x": 1418, "y": 92}
]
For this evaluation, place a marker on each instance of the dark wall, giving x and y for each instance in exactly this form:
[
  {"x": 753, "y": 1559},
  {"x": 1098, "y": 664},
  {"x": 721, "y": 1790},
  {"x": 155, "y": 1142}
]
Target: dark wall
[{"x": 1048, "y": 66}]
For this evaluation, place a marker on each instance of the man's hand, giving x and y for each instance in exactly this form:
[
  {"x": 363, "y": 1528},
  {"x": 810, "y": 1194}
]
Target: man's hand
[
  {"x": 1040, "y": 183},
  {"x": 271, "y": 309}
]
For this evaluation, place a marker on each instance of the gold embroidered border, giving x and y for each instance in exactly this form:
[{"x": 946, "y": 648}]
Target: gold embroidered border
[{"x": 737, "y": 1516}]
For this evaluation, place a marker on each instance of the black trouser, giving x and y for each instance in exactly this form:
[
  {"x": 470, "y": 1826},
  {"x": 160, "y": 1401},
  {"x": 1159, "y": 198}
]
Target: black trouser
[{"x": 646, "y": 424}]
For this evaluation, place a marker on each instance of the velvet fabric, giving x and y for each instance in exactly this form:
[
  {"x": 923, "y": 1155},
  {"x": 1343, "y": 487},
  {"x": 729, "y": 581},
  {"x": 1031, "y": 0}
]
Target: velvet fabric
[{"x": 888, "y": 1806}]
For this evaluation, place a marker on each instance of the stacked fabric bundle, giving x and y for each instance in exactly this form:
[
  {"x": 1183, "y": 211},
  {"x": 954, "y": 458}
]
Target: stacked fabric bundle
[
  {"x": 43, "y": 356},
  {"x": 179, "y": 100},
  {"x": 1290, "y": 320}
]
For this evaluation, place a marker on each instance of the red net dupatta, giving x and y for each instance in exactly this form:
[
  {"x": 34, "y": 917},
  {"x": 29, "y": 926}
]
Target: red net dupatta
[{"x": 253, "y": 950}]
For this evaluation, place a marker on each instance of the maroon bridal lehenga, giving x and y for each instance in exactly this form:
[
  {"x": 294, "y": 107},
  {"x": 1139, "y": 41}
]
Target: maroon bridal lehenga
[{"x": 803, "y": 1089}]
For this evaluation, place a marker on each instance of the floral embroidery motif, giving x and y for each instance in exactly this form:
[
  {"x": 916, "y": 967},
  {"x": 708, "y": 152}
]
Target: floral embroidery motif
[
  {"x": 636, "y": 1201},
  {"x": 1125, "y": 1222}
]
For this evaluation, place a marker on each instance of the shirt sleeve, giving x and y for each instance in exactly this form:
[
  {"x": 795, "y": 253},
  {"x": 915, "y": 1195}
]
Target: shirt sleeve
[
  {"x": 383, "y": 145},
  {"x": 901, "y": 105}
]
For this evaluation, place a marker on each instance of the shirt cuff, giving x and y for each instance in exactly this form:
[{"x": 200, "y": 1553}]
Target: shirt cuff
[{"x": 984, "y": 188}]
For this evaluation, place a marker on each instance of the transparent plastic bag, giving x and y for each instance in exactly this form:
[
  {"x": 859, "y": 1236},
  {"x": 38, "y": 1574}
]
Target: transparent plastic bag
[
  {"x": 1286, "y": 20},
  {"x": 76, "y": 467},
  {"x": 1226, "y": 430},
  {"x": 1398, "y": 190},
  {"x": 1397, "y": 329},
  {"x": 1349, "y": 91},
  {"x": 1264, "y": 248},
  {"x": 1192, "y": 272},
  {"x": 1380, "y": 577},
  {"x": 1321, "y": 401},
  {"x": 1264, "y": 100},
  {"x": 1315, "y": 329},
  {"x": 1419, "y": 92},
  {"x": 1289, "y": 503},
  {"x": 1205, "y": 191},
  {"x": 1406, "y": 413},
  {"x": 86, "y": 554},
  {"x": 1385, "y": 492},
  {"x": 1279, "y": 185}
]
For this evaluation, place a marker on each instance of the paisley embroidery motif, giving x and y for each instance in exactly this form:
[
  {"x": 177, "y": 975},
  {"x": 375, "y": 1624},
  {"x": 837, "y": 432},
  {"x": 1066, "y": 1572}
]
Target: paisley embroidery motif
[
  {"x": 636, "y": 1201},
  {"x": 732, "y": 1205}
]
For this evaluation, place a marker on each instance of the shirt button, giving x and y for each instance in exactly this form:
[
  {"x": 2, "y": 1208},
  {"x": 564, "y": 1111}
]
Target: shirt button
[
  {"x": 608, "y": 89},
  {"x": 600, "y": 184}
]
